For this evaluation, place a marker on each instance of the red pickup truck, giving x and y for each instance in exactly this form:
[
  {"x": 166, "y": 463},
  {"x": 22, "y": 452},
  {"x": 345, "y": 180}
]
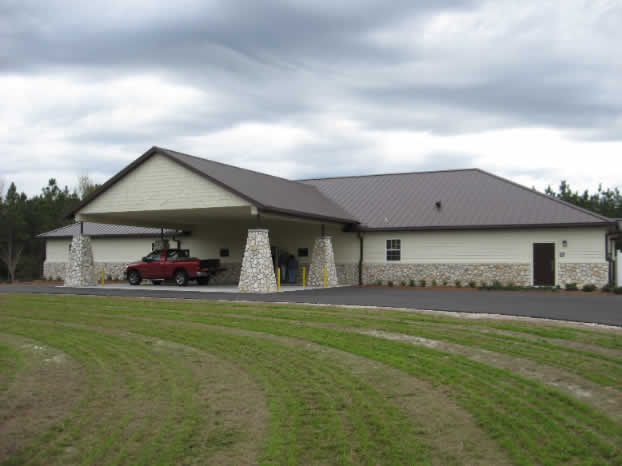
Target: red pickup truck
[{"x": 175, "y": 264}]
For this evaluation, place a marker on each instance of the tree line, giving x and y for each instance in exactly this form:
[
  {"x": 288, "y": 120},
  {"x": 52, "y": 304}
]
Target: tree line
[
  {"x": 607, "y": 202},
  {"x": 22, "y": 218}
]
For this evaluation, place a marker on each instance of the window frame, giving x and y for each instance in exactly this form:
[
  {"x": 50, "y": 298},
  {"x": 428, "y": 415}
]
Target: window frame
[{"x": 393, "y": 250}]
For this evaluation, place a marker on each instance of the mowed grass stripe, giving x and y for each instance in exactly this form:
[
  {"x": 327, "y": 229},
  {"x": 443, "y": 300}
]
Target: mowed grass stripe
[
  {"x": 10, "y": 364},
  {"x": 597, "y": 367},
  {"x": 559, "y": 330},
  {"x": 572, "y": 430},
  {"x": 316, "y": 397},
  {"x": 97, "y": 429}
]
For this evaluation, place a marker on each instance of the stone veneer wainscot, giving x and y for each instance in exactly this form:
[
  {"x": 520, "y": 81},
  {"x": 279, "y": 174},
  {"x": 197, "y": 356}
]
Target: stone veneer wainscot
[{"x": 519, "y": 274}]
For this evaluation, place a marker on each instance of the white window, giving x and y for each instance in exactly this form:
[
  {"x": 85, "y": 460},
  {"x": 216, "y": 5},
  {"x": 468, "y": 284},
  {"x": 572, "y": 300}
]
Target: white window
[{"x": 394, "y": 250}]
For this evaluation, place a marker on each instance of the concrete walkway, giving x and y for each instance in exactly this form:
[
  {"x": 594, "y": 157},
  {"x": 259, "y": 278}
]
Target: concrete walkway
[
  {"x": 148, "y": 287},
  {"x": 580, "y": 307}
]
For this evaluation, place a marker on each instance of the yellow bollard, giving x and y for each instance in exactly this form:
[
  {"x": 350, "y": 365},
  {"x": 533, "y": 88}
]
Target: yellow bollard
[
  {"x": 278, "y": 278},
  {"x": 325, "y": 277},
  {"x": 304, "y": 276},
  {"x": 102, "y": 276}
]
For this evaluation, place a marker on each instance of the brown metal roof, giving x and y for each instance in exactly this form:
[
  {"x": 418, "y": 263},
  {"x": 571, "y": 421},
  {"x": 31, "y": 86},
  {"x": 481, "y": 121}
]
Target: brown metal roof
[
  {"x": 468, "y": 199},
  {"x": 103, "y": 229},
  {"x": 269, "y": 193},
  {"x": 452, "y": 199}
]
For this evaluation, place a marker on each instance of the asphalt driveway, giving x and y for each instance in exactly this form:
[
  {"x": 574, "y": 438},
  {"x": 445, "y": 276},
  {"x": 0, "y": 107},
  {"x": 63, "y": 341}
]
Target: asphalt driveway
[{"x": 578, "y": 307}]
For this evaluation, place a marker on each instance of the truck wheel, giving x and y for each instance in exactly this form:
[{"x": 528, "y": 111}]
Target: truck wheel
[
  {"x": 134, "y": 277},
  {"x": 181, "y": 278}
]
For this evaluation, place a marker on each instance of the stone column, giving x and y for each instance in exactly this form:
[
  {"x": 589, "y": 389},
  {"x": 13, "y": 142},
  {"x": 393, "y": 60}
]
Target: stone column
[
  {"x": 257, "y": 275},
  {"x": 323, "y": 257},
  {"x": 81, "y": 268}
]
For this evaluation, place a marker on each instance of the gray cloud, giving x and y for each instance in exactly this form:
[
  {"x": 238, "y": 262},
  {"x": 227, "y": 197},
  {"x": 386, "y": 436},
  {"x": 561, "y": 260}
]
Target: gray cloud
[{"x": 280, "y": 62}]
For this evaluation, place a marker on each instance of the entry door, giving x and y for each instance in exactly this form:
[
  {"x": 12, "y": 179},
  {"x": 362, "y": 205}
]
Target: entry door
[{"x": 544, "y": 264}]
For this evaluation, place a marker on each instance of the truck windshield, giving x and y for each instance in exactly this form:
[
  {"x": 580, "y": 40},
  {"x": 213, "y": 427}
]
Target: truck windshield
[{"x": 154, "y": 256}]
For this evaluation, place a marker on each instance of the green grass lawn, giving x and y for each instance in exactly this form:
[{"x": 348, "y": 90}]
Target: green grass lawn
[{"x": 91, "y": 380}]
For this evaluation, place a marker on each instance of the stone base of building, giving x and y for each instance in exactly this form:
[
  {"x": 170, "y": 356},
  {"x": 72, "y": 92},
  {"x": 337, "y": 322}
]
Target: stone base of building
[
  {"x": 347, "y": 274},
  {"x": 230, "y": 276},
  {"x": 518, "y": 274},
  {"x": 112, "y": 270},
  {"x": 583, "y": 274},
  {"x": 54, "y": 270}
]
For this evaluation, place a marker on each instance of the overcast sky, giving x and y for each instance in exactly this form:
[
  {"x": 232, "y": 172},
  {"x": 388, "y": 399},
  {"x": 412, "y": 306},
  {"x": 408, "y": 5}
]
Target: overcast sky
[{"x": 530, "y": 90}]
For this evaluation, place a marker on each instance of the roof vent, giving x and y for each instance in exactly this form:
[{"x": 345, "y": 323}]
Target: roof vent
[{"x": 439, "y": 204}]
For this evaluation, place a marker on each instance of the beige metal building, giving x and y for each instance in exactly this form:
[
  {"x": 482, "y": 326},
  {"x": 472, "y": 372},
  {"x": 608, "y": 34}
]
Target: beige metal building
[{"x": 466, "y": 225}]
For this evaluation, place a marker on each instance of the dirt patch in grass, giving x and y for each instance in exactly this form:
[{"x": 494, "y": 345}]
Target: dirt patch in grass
[
  {"x": 614, "y": 353},
  {"x": 48, "y": 387},
  {"x": 235, "y": 416},
  {"x": 607, "y": 399}
]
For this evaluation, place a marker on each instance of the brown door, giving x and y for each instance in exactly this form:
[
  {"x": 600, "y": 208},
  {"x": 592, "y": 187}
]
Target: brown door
[{"x": 543, "y": 264}]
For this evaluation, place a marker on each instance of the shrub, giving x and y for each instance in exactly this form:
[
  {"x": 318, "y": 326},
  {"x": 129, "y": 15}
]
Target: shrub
[
  {"x": 608, "y": 288},
  {"x": 444, "y": 282},
  {"x": 472, "y": 284},
  {"x": 434, "y": 283},
  {"x": 571, "y": 287},
  {"x": 390, "y": 283},
  {"x": 497, "y": 285},
  {"x": 378, "y": 282},
  {"x": 511, "y": 286},
  {"x": 483, "y": 286},
  {"x": 589, "y": 287},
  {"x": 618, "y": 290},
  {"x": 422, "y": 283},
  {"x": 59, "y": 279},
  {"x": 411, "y": 283},
  {"x": 458, "y": 284},
  {"x": 403, "y": 283},
  {"x": 109, "y": 277}
]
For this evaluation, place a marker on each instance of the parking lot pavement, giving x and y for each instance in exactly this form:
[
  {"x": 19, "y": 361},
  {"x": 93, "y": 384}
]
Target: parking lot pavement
[{"x": 580, "y": 307}]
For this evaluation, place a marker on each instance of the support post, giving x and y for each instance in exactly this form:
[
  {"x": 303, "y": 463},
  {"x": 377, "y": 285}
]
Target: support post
[
  {"x": 257, "y": 274},
  {"x": 81, "y": 269},
  {"x": 323, "y": 263},
  {"x": 304, "y": 276},
  {"x": 102, "y": 276},
  {"x": 278, "y": 279}
]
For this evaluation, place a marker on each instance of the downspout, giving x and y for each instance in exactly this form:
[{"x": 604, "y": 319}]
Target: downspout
[
  {"x": 360, "y": 259},
  {"x": 611, "y": 278},
  {"x": 610, "y": 253}
]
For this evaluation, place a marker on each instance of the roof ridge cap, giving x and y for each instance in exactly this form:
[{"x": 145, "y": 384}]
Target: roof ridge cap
[{"x": 389, "y": 174}]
